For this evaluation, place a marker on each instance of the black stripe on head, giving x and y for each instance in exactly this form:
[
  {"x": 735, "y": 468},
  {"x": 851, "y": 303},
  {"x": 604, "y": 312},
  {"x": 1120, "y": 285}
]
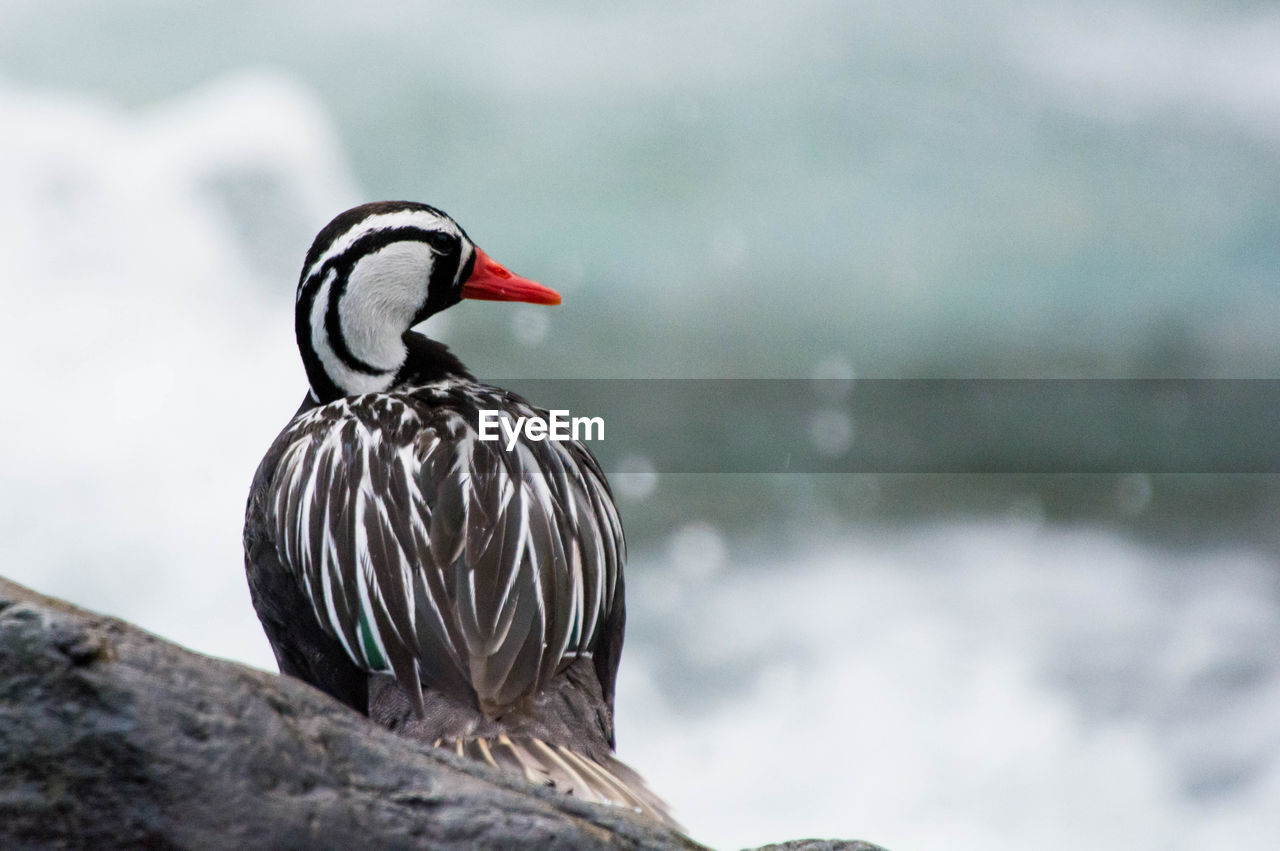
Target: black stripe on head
[
  {"x": 469, "y": 268},
  {"x": 444, "y": 287},
  {"x": 322, "y": 386},
  {"x": 346, "y": 221}
]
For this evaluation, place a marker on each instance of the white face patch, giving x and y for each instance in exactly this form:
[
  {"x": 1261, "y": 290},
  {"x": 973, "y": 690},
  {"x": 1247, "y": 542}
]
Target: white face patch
[
  {"x": 385, "y": 290},
  {"x": 348, "y": 380}
]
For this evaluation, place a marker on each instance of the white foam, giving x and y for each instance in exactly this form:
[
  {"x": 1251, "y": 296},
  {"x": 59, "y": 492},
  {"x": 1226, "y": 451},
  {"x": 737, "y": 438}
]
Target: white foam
[
  {"x": 986, "y": 686},
  {"x": 152, "y": 361}
]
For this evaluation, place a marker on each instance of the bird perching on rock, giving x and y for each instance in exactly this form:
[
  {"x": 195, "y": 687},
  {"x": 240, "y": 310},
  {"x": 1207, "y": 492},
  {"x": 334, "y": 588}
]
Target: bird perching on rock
[{"x": 454, "y": 589}]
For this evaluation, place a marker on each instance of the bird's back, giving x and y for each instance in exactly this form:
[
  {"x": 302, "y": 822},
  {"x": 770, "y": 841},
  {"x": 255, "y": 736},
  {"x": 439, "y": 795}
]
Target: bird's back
[{"x": 454, "y": 590}]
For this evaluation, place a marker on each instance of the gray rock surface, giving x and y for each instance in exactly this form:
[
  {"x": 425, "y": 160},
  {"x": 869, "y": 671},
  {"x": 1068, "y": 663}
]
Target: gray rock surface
[
  {"x": 111, "y": 737},
  {"x": 820, "y": 845}
]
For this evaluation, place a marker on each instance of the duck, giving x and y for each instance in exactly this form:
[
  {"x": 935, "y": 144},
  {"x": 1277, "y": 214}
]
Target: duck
[{"x": 463, "y": 592}]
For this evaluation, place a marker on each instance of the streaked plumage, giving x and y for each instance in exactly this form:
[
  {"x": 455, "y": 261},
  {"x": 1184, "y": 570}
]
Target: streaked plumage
[{"x": 459, "y": 592}]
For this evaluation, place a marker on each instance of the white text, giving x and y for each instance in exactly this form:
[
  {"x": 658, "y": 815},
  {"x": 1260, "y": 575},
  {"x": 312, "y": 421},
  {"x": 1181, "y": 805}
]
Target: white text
[{"x": 558, "y": 426}]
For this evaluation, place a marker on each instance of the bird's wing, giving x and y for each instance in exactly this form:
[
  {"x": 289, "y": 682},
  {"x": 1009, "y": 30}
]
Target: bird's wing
[{"x": 441, "y": 558}]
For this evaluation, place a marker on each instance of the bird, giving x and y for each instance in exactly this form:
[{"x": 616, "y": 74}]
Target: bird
[{"x": 460, "y": 592}]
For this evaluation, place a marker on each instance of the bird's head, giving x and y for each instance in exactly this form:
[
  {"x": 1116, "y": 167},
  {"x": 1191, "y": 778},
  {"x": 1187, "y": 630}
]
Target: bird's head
[{"x": 373, "y": 273}]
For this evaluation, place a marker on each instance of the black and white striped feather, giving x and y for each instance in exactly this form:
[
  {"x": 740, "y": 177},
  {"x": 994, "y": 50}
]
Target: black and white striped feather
[{"x": 448, "y": 561}]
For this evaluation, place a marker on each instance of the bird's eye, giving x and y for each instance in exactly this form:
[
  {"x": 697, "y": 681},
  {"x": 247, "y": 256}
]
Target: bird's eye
[{"x": 441, "y": 241}]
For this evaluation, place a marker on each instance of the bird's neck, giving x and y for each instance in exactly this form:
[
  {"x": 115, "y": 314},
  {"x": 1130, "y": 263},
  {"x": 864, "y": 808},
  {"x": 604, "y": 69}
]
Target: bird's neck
[
  {"x": 351, "y": 338},
  {"x": 429, "y": 360},
  {"x": 379, "y": 362}
]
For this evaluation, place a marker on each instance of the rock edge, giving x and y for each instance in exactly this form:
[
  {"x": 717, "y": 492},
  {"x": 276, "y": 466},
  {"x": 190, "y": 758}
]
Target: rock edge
[{"x": 111, "y": 737}]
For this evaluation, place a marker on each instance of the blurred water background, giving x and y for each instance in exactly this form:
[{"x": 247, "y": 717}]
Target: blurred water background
[{"x": 919, "y": 189}]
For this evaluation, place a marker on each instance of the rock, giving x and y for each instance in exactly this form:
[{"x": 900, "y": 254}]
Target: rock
[
  {"x": 820, "y": 845},
  {"x": 111, "y": 737}
]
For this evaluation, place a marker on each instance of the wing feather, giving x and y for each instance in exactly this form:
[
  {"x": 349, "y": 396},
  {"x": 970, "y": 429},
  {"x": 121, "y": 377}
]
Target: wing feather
[{"x": 446, "y": 561}]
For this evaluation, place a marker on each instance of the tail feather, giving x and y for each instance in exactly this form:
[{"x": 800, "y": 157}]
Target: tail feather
[{"x": 605, "y": 782}]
